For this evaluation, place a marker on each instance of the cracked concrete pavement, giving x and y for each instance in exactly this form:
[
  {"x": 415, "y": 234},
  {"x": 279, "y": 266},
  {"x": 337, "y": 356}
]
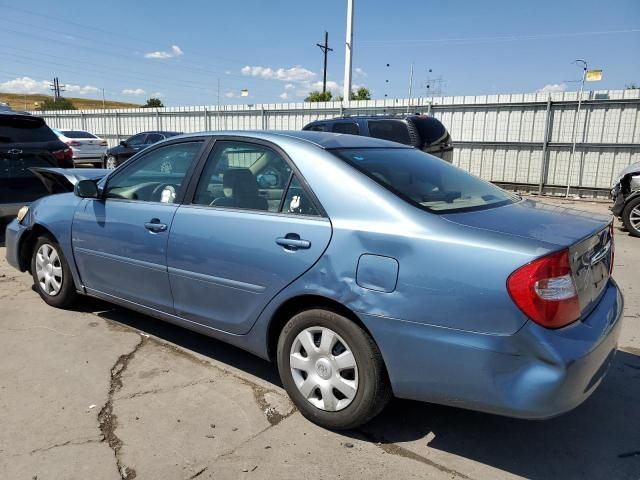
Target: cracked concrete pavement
[{"x": 101, "y": 392}]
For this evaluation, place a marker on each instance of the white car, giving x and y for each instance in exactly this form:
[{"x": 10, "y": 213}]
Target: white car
[{"x": 86, "y": 147}]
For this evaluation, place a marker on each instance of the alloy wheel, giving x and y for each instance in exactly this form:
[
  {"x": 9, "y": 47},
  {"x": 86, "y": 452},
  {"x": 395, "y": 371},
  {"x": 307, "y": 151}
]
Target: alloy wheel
[
  {"x": 634, "y": 218},
  {"x": 324, "y": 368}
]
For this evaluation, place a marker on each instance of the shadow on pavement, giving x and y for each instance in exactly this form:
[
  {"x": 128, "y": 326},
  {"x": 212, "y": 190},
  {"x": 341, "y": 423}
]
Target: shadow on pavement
[{"x": 599, "y": 439}]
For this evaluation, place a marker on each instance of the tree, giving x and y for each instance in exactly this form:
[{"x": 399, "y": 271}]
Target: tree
[
  {"x": 319, "y": 97},
  {"x": 153, "y": 103},
  {"x": 362, "y": 93},
  {"x": 60, "y": 103},
  {"x": 632, "y": 86}
]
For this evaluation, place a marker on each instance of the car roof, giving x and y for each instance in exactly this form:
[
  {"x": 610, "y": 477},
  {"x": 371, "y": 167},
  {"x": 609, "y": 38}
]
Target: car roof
[
  {"x": 164, "y": 132},
  {"x": 325, "y": 140}
]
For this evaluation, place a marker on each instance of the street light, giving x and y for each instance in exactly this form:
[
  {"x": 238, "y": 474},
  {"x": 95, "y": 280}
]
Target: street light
[{"x": 575, "y": 123}]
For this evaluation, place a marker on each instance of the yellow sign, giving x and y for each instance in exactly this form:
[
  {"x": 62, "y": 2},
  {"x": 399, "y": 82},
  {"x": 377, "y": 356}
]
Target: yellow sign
[
  {"x": 593, "y": 75},
  {"x": 244, "y": 92}
]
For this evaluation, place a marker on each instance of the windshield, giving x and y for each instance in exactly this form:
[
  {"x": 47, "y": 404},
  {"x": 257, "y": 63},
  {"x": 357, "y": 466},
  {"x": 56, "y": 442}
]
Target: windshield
[
  {"x": 24, "y": 129},
  {"x": 424, "y": 180}
]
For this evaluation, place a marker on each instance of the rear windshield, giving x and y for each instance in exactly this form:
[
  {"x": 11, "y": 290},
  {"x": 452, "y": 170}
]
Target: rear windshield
[
  {"x": 424, "y": 180},
  {"x": 24, "y": 130},
  {"x": 77, "y": 134}
]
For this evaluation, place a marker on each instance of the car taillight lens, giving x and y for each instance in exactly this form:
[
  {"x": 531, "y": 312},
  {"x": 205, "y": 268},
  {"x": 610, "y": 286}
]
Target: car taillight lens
[
  {"x": 73, "y": 143},
  {"x": 545, "y": 290},
  {"x": 104, "y": 143},
  {"x": 64, "y": 154}
]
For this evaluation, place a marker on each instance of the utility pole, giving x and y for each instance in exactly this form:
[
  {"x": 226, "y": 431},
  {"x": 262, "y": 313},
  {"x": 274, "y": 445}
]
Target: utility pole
[
  {"x": 575, "y": 123},
  {"x": 410, "y": 86},
  {"x": 56, "y": 88},
  {"x": 325, "y": 49},
  {"x": 103, "y": 102},
  {"x": 348, "y": 53}
]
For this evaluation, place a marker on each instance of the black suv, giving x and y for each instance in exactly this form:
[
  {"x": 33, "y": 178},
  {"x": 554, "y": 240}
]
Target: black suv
[
  {"x": 132, "y": 145},
  {"x": 25, "y": 142},
  {"x": 422, "y": 131}
]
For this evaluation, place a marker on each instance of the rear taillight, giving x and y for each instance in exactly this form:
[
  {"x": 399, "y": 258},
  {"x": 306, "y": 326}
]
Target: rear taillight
[
  {"x": 545, "y": 290},
  {"x": 104, "y": 143},
  {"x": 64, "y": 154},
  {"x": 73, "y": 143}
]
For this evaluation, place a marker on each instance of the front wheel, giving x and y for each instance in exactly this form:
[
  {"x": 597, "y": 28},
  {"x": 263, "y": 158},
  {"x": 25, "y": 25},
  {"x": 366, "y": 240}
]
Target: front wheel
[
  {"x": 111, "y": 162},
  {"x": 631, "y": 217},
  {"x": 51, "y": 275},
  {"x": 332, "y": 370}
]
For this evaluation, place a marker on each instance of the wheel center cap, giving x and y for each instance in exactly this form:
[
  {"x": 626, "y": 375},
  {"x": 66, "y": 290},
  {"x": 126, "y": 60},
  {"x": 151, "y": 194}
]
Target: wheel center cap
[
  {"x": 323, "y": 368},
  {"x": 49, "y": 268}
]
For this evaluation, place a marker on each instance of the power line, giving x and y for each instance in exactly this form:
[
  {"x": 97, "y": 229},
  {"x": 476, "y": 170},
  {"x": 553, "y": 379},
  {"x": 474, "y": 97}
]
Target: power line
[{"x": 503, "y": 38}]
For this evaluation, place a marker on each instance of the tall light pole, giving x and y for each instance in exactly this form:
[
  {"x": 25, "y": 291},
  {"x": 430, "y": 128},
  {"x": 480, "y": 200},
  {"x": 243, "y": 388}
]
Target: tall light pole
[
  {"x": 575, "y": 123},
  {"x": 348, "y": 52}
]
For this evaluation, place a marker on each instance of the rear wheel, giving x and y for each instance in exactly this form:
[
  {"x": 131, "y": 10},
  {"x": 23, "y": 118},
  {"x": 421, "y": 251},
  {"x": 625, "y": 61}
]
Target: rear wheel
[
  {"x": 51, "y": 275},
  {"x": 111, "y": 162},
  {"x": 631, "y": 217},
  {"x": 332, "y": 370}
]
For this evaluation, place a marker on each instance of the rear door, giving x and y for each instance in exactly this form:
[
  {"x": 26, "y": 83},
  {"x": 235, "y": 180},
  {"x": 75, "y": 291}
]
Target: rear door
[{"x": 252, "y": 228}]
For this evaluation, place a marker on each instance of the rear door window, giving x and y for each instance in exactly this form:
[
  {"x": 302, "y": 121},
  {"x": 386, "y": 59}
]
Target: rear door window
[
  {"x": 350, "y": 128},
  {"x": 393, "y": 130},
  {"x": 137, "y": 140},
  {"x": 24, "y": 130}
]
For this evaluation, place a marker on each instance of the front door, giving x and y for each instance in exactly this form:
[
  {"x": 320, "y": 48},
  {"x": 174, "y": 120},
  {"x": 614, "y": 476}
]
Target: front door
[
  {"x": 120, "y": 240},
  {"x": 251, "y": 229}
]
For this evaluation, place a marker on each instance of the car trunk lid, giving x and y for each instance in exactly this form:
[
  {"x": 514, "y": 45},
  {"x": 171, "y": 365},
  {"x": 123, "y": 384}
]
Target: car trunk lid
[{"x": 587, "y": 236}]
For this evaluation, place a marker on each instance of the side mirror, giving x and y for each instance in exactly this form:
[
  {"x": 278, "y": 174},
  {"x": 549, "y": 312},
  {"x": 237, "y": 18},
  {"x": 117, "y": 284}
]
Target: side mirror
[
  {"x": 123, "y": 143},
  {"x": 86, "y": 189},
  {"x": 267, "y": 180}
]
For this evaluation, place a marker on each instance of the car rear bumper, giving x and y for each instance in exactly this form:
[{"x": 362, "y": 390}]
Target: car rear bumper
[
  {"x": 536, "y": 373},
  {"x": 13, "y": 235}
]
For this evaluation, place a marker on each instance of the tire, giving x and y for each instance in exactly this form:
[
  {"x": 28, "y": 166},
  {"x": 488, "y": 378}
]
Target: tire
[
  {"x": 631, "y": 217},
  {"x": 111, "y": 162},
  {"x": 368, "y": 378},
  {"x": 57, "y": 293},
  {"x": 98, "y": 164}
]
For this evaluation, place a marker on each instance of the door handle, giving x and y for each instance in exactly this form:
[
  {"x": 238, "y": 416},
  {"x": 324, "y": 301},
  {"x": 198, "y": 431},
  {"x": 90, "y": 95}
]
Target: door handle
[
  {"x": 155, "y": 226},
  {"x": 292, "y": 242}
]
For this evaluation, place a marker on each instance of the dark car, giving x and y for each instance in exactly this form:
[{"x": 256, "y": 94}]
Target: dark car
[
  {"x": 626, "y": 197},
  {"x": 420, "y": 131},
  {"x": 132, "y": 145},
  {"x": 26, "y": 142}
]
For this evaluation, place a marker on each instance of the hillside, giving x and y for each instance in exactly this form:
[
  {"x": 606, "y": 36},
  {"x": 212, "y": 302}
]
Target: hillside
[{"x": 17, "y": 102}]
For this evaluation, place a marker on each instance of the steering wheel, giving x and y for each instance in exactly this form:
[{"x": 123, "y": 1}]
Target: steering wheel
[{"x": 157, "y": 194}]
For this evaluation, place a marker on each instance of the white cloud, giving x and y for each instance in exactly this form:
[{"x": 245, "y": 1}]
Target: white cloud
[
  {"x": 157, "y": 94},
  {"x": 175, "y": 51},
  {"x": 553, "y": 87},
  {"x": 133, "y": 91},
  {"x": 30, "y": 85},
  {"x": 360, "y": 72},
  {"x": 293, "y": 74},
  {"x": 229, "y": 94},
  {"x": 289, "y": 86},
  {"x": 82, "y": 90},
  {"x": 284, "y": 95},
  {"x": 227, "y": 72}
]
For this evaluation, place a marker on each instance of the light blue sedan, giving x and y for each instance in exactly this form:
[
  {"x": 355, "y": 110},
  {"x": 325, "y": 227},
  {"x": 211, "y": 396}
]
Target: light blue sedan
[{"x": 364, "y": 268}]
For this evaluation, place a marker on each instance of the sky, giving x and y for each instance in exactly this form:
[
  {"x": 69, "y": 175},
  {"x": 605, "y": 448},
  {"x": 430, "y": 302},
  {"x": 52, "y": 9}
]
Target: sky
[{"x": 181, "y": 51}]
